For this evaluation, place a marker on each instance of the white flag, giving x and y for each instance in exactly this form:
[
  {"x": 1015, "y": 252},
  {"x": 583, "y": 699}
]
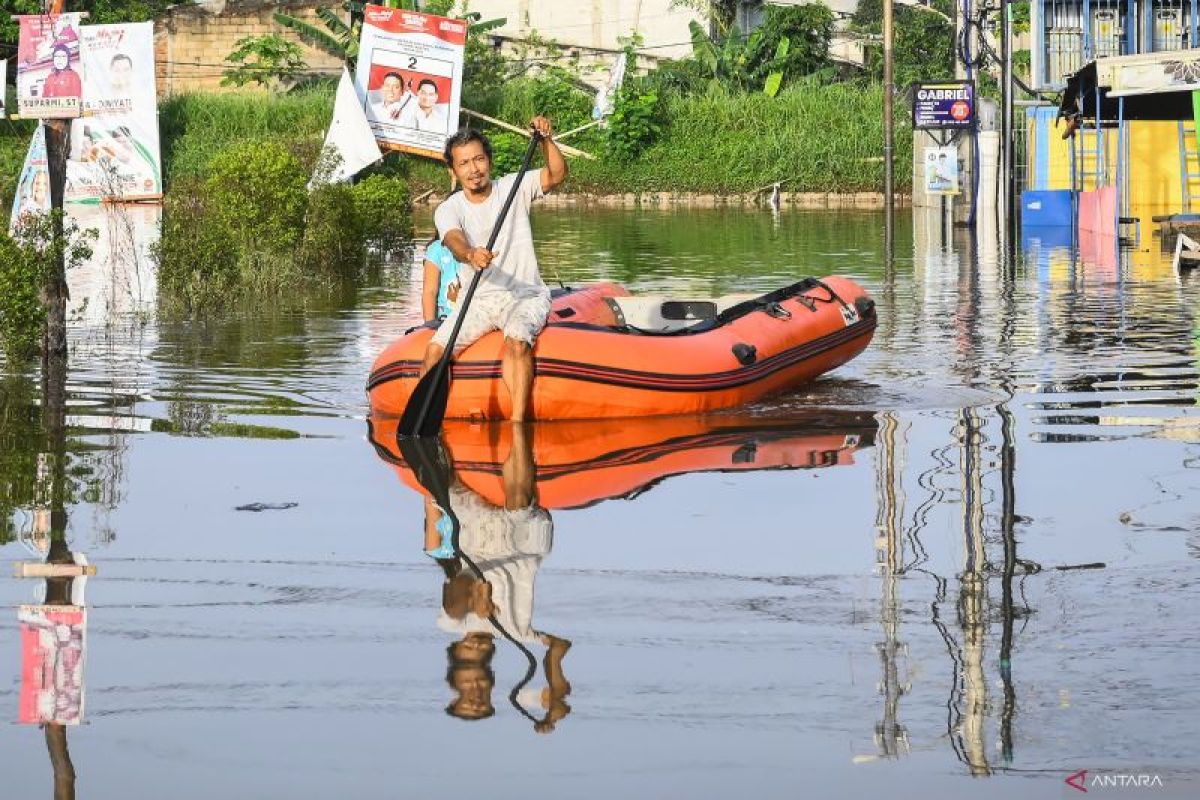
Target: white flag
[
  {"x": 349, "y": 137},
  {"x": 606, "y": 97}
]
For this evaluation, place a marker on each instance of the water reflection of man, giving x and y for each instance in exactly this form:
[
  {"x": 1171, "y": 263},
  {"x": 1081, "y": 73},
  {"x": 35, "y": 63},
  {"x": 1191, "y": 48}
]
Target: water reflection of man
[
  {"x": 471, "y": 677},
  {"x": 507, "y": 545}
]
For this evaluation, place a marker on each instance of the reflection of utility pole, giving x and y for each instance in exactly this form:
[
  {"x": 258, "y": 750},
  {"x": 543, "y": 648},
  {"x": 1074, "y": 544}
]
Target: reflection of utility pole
[
  {"x": 58, "y": 588},
  {"x": 890, "y": 736},
  {"x": 1008, "y": 516},
  {"x": 973, "y": 596}
]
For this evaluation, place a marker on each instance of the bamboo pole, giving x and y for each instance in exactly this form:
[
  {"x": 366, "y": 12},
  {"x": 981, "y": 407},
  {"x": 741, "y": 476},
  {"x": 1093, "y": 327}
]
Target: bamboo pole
[
  {"x": 40, "y": 569},
  {"x": 567, "y": 149}
]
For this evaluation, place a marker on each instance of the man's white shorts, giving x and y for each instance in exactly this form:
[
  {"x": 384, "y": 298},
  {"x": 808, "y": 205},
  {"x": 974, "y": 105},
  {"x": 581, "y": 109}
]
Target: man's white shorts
[{"x": 521, "y": 318}]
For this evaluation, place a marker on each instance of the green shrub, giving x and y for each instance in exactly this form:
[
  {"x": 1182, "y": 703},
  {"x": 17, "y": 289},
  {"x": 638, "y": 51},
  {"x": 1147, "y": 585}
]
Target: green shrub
[
  {"x": 25, "y": 263},
  {"x": 634, "y": 123},
  {"x": 382, "y": 207},
  {"x": 257, "y": 192},
  {"x": 22, "y": 314},
  {"x": 276, "y": 61},
  {"x": 333, "y": 231},
  {"x": 197, "y": 258},
  {"x": 552, "y": 94}
]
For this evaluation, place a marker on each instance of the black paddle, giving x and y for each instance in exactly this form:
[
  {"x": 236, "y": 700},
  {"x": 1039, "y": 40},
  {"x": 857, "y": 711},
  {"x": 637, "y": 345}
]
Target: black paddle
[{"x": 426, "y": 406}]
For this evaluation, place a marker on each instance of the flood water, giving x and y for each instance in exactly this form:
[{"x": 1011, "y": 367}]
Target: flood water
[{"x": 965, "y": 564}]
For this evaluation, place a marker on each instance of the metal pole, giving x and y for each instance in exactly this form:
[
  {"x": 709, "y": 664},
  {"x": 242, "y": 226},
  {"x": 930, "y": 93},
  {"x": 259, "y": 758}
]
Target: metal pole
[
  {"x": 1007, "y": 172},
  {"x": 889, "y": 218}
]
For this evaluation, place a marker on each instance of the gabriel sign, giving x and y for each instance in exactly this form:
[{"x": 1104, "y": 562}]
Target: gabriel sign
[{"x": 937, "y": 106}]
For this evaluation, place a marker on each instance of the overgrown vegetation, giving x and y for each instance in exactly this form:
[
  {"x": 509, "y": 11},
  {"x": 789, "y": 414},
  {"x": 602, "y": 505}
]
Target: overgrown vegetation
[
  {"x": 924, "y": 40},
  {"x": 812, "y": 137},
  {"x": 25, "y": 262},
  {"x": 197, "y": 128},
  {"x": 268, "y": 60},
  {"x": 14, "y": 143},
  {"x": 251, "y": 228}
]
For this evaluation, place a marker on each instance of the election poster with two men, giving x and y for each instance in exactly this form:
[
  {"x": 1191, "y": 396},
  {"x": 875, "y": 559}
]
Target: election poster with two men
[{"x": 410, "y": 78}]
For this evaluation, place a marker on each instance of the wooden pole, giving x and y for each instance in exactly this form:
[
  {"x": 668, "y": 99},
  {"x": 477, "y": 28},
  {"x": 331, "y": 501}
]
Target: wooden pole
[
  {"x": 567, "y": 149},
  {"x": 54, "y": 289}
]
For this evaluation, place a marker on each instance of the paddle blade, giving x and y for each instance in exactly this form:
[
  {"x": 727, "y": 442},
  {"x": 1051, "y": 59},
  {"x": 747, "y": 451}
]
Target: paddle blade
[
  {"x": 431, "y": 465},
  {"x": 427, "y": 406}
]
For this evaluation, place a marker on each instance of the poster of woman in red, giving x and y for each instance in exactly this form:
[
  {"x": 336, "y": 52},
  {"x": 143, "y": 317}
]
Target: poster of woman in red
[
  {"x": 48, "y": 81},
  {"x": 410, "y": 78}
]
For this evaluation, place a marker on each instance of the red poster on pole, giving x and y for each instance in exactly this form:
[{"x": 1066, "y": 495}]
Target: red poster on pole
[{"x": 49, "y": 72}]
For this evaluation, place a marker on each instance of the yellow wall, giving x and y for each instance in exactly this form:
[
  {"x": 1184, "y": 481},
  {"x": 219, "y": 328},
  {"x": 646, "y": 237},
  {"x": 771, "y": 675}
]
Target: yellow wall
[{"x": 1153, "y": 170}]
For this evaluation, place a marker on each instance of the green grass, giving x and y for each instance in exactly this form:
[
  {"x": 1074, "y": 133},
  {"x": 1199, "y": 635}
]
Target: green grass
[
  {"x": 195, "y": 128},
  {"x": 813, "y": 138}
]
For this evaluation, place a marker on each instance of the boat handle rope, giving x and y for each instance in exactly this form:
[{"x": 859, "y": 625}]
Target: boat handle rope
[{"x": 833, "y": 296}]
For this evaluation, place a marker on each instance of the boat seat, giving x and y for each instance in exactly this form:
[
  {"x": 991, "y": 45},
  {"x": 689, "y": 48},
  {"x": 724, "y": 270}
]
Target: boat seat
[{"x": 661, "y": 314}]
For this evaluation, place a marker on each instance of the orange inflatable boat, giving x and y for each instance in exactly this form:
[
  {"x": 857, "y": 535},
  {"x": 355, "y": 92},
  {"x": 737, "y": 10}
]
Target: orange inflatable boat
[
  {"x": 605, "y": 353},
  {"x": 582, "y": 462}
]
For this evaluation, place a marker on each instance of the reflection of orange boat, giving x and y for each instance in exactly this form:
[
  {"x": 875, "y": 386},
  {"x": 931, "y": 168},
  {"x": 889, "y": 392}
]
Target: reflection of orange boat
[
  {"x": 606, "y": 354},
  {"x": 581, "y": 462}
]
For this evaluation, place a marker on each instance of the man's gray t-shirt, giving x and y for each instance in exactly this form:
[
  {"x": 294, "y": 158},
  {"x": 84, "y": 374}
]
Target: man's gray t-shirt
[{"x": 515, "y": 267}]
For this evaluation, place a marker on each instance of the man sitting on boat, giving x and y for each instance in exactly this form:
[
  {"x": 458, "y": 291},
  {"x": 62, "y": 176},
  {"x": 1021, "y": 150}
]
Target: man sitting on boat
[{"x": 511, "y": 296}]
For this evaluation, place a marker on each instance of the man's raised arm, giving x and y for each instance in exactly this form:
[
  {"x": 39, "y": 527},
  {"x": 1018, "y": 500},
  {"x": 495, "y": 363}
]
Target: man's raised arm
[{"x": 555, "y": 171}]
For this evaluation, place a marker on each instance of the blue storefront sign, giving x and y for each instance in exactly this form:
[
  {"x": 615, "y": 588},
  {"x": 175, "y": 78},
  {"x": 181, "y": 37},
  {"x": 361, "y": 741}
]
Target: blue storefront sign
[{"x": 945, "y": 105}]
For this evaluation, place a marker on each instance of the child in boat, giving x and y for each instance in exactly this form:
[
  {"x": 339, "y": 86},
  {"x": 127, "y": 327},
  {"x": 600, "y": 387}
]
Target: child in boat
[{"x": 441, "y": 285}]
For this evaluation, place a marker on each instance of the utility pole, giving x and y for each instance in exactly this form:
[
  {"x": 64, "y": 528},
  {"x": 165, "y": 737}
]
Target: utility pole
[
  {"x": 54, "y": 290},
  {"x": 1007, "y": 162},
  {"x": 889, "y": 210}
]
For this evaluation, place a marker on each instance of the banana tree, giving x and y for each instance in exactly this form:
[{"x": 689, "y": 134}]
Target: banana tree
[
  {"x": 740, "y": 61},
  {"x": 339, "y": 38}
]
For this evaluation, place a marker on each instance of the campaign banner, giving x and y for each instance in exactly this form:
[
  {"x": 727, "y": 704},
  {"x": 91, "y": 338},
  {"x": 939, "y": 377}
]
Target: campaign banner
[
  {"x": 941, "y": 106},
  {"x": 53, "y": 642},
  {"x": 49, "y": 83},
  {"x": 410, "y": 78},
  {"x": 33, "y": 185},
  {"x": 114, "y": 145},
  {"x": 941, "y": 170}
]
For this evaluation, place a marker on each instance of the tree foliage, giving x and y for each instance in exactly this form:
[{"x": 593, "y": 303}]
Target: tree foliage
[
  {"x": 100, "y": 12},
  {"x": 275, "y": 61},
  {"x": 792, "y": 41},
  {"x": 924, "y": 41}
]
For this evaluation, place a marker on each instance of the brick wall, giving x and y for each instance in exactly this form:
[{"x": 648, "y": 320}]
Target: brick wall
[{"x": 191, "y": 42}]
